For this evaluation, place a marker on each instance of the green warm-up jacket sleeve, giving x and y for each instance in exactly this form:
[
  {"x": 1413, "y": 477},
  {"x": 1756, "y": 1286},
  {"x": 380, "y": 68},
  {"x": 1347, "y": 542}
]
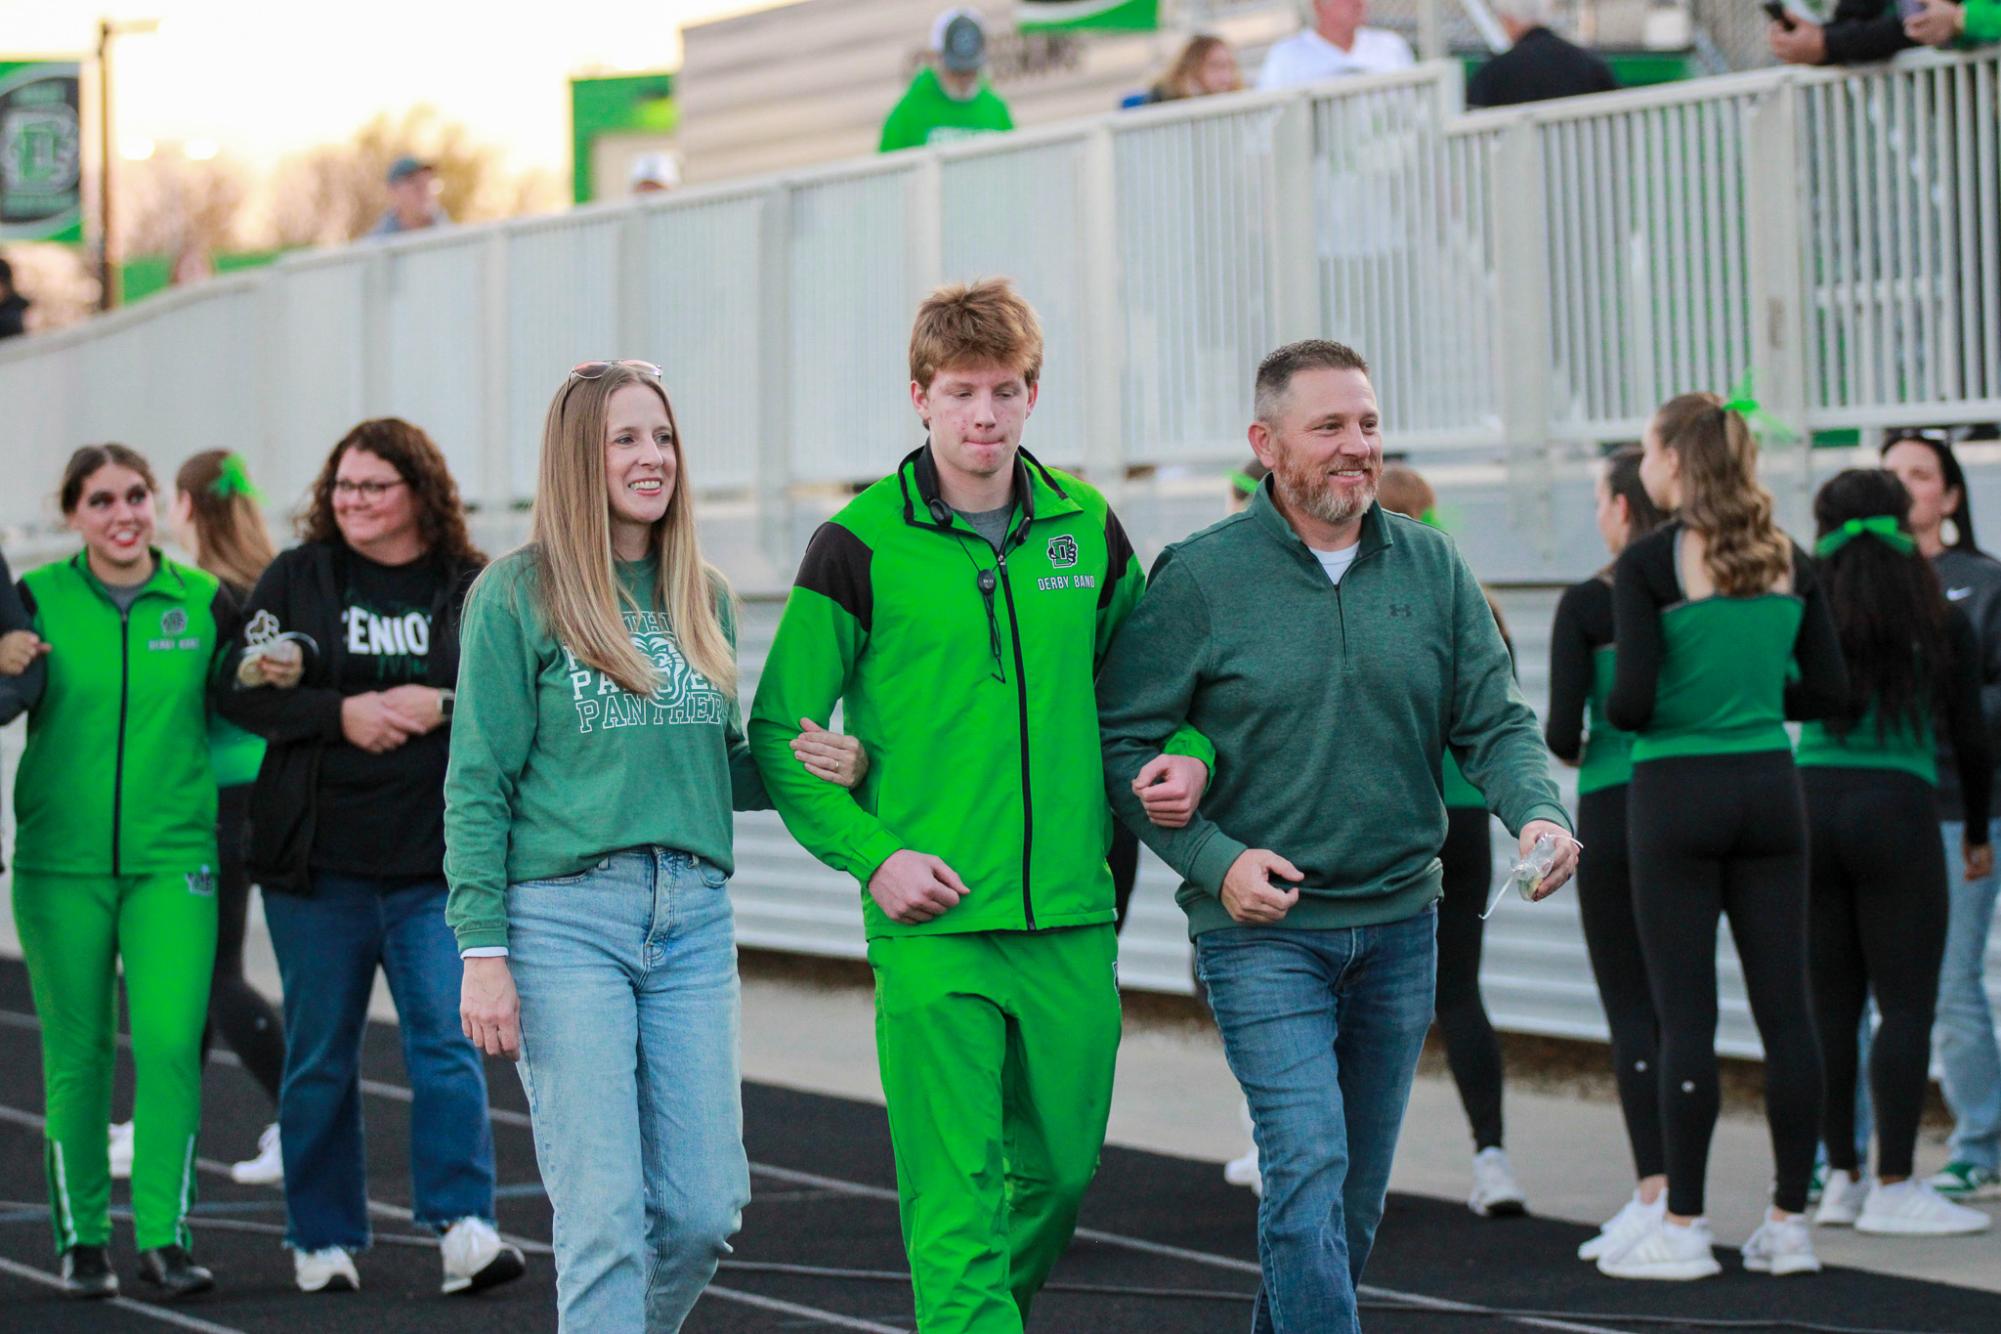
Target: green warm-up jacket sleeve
[
  {"x": 821, "y": 636},
  {"x": 1491, "y": 730},
  {"x": 1127, "y": 588},
  {"x": 1145, "y": 688},
  {"x": 493, "y": 731},
  {"x": 1983, "y": 22}
]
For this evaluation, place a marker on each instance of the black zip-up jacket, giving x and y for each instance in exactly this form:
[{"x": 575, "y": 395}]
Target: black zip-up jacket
[
  {"x": 1971, "y": 581},
  {"x": 304, "y": 590},
  {"x": 20, "y": 693}
]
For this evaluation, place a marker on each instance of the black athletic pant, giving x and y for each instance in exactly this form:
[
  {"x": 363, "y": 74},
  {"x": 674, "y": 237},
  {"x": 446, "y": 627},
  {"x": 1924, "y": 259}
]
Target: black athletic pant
[
  {"x": 1471, "y": 1048},
  {"x": 1612, "y": 938},
  {"x": 248, "y": 1022},
  {"x": 1712, "y": 835},
  {"x": 1123, "y": 859},
  {"x": 1876, "y": 917}
]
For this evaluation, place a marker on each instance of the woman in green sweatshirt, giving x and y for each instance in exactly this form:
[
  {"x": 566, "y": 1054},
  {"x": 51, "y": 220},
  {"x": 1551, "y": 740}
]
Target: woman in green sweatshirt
[
  {"x": 115, "y": 806},
  {"x": 597, "y": 753}
]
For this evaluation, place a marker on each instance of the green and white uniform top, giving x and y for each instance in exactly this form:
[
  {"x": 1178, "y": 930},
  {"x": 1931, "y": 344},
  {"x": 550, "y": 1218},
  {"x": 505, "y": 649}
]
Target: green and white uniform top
[{"x": 1716, "y": 675}]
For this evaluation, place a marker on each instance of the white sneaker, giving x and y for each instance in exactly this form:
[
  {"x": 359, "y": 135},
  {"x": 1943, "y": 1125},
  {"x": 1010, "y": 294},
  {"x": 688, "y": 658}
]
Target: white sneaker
[
  {"x": 1244, "y": 1172},
  {"x": 1495, "y": 1191},
  {"x": 1914, "y": 1209},
  {"x": 1670, "y": 1251},
  {"x": 121, "y": 1150},
  {"x": 267, "y": 1168},
  {"x": 1624, "y": 1228},
  {"x": 1781, "y": 1248},
  {"x": 1840, "y": 1200},
  {"x": 330, "y": 1270},
  {"x": 476, "y": 1258}
]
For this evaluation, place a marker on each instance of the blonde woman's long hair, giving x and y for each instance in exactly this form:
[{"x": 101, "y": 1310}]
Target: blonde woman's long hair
[
  {"x": 571, "y": 535},
  {"x": 1721, "y": 497}
]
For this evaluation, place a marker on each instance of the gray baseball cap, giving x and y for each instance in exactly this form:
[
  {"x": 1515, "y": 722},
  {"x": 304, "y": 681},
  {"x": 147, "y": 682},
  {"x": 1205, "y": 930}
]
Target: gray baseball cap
[{"x": 960, "y": 40}]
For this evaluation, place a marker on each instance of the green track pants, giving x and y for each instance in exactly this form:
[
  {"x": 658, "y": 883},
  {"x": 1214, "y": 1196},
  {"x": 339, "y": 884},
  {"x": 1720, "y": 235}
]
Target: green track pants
[
  {"x": 996, "y": 1051},
  {"x": 74, "y": 930}
]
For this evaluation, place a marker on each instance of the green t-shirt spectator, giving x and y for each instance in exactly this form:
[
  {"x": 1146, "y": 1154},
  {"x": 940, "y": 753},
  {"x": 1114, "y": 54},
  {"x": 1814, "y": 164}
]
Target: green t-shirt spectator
[{"x": 927, "y": 114}]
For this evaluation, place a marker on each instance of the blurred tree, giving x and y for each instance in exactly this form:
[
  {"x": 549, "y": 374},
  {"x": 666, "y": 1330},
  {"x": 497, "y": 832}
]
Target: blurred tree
[
  {"x": 169, "y": 204},
  {"x": 335, "y": 193}
]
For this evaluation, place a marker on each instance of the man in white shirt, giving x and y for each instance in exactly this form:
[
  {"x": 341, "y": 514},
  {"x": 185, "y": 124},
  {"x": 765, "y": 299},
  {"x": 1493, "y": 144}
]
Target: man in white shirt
[{"x": 1336, "y": 45}]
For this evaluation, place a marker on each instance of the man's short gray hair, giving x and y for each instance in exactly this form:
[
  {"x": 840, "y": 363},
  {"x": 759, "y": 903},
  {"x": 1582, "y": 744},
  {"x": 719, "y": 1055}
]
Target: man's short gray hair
[
  {"x": 1275, "y": 372},
  {"x": 1536, "y": 13}
]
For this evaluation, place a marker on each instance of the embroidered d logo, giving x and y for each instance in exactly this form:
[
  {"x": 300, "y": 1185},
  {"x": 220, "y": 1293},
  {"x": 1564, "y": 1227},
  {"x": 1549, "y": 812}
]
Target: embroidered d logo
[{"x": 1063, "y": 551}]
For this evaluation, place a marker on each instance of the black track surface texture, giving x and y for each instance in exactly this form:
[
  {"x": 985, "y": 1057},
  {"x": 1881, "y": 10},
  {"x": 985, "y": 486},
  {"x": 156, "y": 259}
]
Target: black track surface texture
[{"x": 823, "y": 1199}]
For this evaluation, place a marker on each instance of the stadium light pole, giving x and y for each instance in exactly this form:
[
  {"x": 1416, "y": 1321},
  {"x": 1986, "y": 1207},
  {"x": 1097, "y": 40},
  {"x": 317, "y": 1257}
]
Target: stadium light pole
[{"x": 107, "y": 295}]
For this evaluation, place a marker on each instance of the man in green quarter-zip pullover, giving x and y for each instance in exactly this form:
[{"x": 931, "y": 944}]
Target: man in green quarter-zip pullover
[
  {"x": 1310, "y": 871},
  {"x": 960, "y": 608}
]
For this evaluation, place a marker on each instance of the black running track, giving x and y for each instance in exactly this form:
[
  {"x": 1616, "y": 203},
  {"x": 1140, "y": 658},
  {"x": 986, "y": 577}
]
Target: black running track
[{"x": 1166, "y": 1245}]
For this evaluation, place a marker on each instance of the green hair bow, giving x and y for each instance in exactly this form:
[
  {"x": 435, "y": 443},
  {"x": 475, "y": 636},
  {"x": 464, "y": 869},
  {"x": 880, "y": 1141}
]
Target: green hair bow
[
  {"x": 234, "y": 480},
  {"x": 1761, "y": 422},
  {"x": 1883, "y": 527}
]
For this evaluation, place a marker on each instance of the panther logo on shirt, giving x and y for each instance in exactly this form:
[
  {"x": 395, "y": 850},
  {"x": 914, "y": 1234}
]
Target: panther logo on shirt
[
  {"x": 173, "y": 621},
  {"x": 1063, "y": 551},
  {"x": 262, "y": 628},
  {"x": 684, "y": 696}
]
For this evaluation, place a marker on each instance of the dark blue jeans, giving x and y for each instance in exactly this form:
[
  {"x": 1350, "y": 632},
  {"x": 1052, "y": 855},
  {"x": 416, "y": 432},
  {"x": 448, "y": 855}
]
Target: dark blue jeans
[
  {"x": 1323, "y": 1030},
  {"x": 328, "y": 947}
]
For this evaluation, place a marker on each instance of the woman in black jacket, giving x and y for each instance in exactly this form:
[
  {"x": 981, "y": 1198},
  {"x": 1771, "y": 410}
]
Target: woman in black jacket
[
  {"x": 21, "y": 653},
  {"x": 350, "y": 656}
]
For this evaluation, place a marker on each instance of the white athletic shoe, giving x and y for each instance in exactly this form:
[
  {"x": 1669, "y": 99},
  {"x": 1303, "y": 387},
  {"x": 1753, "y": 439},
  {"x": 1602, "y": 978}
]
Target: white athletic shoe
[
  {"x": 1914, "y": 1209},
  {"x": 1840, "y": 1200},
  {"x": 121, "y": 1150},
  {"x": 267, "y": 1168},
  {"x": 330, "y": 1270},
  {"x": 476, "y": 1258},
  {"x": 1624, "y": 1228},
  {"x": 1666, "y": 1251},
  {"x": 1495, "y": 1191},
  {"x": 1244, "y": 1172},
  {"x": 1781, "y": 1248}
]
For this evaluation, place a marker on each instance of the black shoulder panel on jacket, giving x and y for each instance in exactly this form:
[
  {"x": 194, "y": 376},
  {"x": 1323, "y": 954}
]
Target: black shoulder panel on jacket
[
  {"x": 837, "y": 567},
  {"x": 1118, "y": 555}
]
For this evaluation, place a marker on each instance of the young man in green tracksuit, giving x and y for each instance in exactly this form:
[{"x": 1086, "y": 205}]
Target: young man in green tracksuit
[
  {"x": 959, "y": 608},
  {"x": 1332, "y": 652}
]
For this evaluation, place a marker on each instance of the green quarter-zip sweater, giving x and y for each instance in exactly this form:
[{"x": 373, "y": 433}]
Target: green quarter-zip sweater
[
  {"x": 967, "y": 673},
  {"x": 116, "y": 779},
  {"x": 1329, "y": 706},
  {"x": 554, "y": 765}
]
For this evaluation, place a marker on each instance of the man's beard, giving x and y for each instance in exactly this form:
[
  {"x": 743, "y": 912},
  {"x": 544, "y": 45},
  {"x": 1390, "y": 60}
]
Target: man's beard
[{"x": 1312, "y": 491}]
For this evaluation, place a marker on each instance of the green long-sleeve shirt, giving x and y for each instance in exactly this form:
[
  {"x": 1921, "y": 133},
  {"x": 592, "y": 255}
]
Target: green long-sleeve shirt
[
  {"x": 1983, "y": 22},
  {"x": 1329, "y": 707},
  {"x": 554, "y": 764}
]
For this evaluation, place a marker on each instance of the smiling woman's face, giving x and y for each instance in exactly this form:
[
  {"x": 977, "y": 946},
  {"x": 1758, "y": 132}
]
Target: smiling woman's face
[{"x": 114, "y": 516}]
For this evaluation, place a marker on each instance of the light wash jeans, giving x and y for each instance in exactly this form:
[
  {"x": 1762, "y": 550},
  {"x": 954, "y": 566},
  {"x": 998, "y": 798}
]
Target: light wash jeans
[
  {"x": 1963, "y": 1033},
  {"x": 629, "y": 1018},
  {"x": 1323, "y": 1030}
]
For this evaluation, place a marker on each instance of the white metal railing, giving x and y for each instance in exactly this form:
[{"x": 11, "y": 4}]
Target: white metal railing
[{"x": 1522, "y": 280}]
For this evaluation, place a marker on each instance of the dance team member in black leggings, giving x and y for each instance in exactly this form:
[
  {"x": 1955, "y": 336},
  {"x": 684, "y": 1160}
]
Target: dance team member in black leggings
[
  {"x": 1581, "y": 661},
  {"x": 1711, "y": 613},
  {"x": 1472, "y": 1050},
  {"x": 218, "y": 520},
  {"x": 1878, "y": 898}
]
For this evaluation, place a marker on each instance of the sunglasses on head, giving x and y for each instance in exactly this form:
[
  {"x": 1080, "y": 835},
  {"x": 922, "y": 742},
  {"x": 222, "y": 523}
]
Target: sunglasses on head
[{"x": 597, "y": 370}]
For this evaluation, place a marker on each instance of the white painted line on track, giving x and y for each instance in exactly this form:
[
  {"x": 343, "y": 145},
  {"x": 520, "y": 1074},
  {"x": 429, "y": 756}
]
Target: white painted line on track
[{"x": 159, "y": 1313}]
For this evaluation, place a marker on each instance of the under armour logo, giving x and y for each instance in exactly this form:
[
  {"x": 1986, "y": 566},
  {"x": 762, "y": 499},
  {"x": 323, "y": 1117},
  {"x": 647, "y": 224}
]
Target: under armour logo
[{"x": 1400, "y": 611}]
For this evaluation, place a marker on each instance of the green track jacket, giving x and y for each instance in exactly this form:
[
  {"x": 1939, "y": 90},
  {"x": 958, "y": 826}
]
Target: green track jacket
[
  {"x": 115, "y": 779},
  {"x": 969, "y": 677}
]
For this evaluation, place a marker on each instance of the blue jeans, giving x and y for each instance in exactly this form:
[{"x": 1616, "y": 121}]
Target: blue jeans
[
  {"x": 1323, "y": 1030},
  {"x": 328, "y": 947},
  {"x": 1963, "y": 1033},
  {"x": 629, "y": 1016}
]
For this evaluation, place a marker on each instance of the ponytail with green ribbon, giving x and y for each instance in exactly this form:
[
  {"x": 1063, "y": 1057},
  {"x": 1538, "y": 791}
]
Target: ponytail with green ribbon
[
  {"x": 1761, "y": 422},
  {"x": 1883, "y": 527},
  {"x": 234, "y": 480}
]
